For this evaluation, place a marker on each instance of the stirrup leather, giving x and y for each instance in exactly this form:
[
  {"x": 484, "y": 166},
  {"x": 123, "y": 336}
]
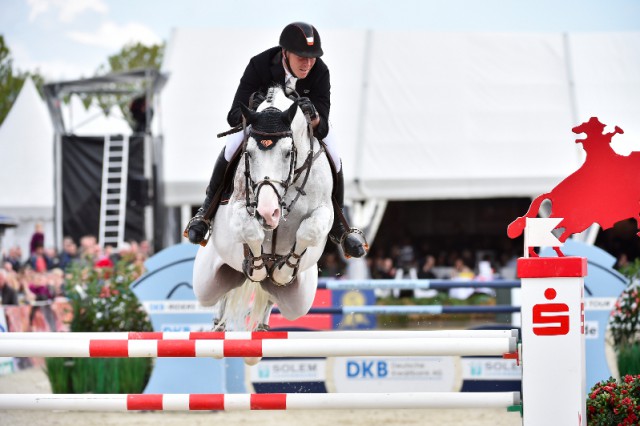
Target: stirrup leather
[{"x": 200, "y": 218}]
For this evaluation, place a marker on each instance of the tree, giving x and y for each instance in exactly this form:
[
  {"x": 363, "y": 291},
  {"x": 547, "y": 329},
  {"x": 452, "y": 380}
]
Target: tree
[
  {"x": 11, "y": 80},
  {"x": 135, "y": 56},
  {"x": 131, "y": 57}
]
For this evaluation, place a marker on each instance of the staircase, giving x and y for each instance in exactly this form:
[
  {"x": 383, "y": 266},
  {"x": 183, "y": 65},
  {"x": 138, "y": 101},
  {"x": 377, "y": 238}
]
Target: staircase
[{"x": 113, "y": 200}]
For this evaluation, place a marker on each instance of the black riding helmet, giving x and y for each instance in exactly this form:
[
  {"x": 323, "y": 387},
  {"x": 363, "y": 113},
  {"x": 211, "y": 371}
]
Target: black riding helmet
[{"x": 302, "y": 39}]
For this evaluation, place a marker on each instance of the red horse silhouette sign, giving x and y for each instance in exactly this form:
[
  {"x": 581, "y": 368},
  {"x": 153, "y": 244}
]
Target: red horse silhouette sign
[{"x": 604, "y": 190}]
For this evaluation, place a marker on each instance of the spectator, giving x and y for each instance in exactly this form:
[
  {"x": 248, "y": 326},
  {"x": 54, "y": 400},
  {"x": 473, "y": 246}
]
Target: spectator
[
  {"x": 331, "y": 267},
  {"x": 38, "y": 261},
  {"x": 461, "y": 272},
  {"x": 69, "y": 253},
  {"x": 22, "y": 279},
  {"x": 40, "y": 287},
  {"x": 37, "y": 238},
  {"x": 56, "y": 282},
  {"x": 14, "y": 258},
  {"x": 8, "y": 295},
  {"x": 426, "y": 270}
]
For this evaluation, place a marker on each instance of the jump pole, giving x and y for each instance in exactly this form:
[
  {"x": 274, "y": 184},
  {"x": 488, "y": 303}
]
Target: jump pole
[
  {"x": 248, "y": 335},
  {"x": 243, "y": 402},
  {"x": 84, "y": 348}
]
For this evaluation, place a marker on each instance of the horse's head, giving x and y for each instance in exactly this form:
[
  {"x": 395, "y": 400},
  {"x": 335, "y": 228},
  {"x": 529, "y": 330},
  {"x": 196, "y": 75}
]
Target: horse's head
[{"x": 270, "y": 158}]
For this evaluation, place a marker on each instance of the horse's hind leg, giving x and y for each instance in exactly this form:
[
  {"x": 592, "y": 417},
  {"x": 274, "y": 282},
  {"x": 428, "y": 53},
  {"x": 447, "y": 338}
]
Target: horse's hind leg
[
  {"x": 212, "y": 278},
  {"x": 311, "y": 233}
]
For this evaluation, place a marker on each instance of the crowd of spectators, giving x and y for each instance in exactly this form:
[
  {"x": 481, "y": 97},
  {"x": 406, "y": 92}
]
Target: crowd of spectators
[
  {"x": 408, "y": 260},
  {"x": 40, "y": 275}
]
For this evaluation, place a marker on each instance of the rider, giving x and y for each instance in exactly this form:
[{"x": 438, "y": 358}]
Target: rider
[{"x": 296, "y": 65}]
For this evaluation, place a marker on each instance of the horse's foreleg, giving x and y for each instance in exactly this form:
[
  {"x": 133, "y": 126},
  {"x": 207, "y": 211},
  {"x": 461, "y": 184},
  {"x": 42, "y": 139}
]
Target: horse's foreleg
[
  {"x": 251, "y": 234},
  {"x": 311, "y": 233}
]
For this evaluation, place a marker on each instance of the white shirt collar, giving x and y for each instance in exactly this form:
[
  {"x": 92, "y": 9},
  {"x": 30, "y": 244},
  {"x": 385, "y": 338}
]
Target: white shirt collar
[{"x": 289, "y": 79}]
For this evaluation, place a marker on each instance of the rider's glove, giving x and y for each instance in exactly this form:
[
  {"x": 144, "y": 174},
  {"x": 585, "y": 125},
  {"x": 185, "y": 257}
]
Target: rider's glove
[
  {"x": 307, "y": 107},
  {"x": 256, "y": 99}
]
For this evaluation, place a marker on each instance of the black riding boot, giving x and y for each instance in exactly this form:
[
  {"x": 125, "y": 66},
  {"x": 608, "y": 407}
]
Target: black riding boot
[
  {"x": 199, "y": 224},
  {"x": 339, "y": 234}
]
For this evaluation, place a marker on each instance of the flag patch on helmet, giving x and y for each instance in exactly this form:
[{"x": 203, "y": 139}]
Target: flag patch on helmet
[{"x": 310, "y": 41}]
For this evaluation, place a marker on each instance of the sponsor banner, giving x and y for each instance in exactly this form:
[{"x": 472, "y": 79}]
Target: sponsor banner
[
  {"x": 591, "y": 329},
  {"x": 322, "y": 299},
  {"x": 490, "y": 369},
  {"x": 354, "y": 299},
  {"x": 599, "y": 303},
  {"x": 288, "y": 370},
  {"x": 395, "y": 374},
  {"x": 176, "y": 307},
  {"x": 185, "y": 327}
]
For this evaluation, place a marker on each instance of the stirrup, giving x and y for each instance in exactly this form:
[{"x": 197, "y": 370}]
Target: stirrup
[
  {"x": 343, "y": 237},
  {"x": 207, "y": 235}
]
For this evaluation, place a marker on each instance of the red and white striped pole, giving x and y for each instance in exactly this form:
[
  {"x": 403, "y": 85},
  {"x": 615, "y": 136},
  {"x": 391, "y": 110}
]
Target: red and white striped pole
[
  {"x": 259, "y": 335},
  {"x": 553, "y": 340},
  {"x": 237, "y": 402},
  {"x": 257, "y": 348}
]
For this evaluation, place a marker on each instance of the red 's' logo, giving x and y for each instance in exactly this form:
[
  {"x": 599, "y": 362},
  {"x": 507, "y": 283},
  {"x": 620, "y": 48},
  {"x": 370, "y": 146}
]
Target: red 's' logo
[{"x": 550, "y": 325}]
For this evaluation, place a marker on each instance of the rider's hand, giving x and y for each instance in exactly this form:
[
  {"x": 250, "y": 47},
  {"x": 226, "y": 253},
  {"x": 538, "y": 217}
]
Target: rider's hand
[
  {"x": 256, "y": 100},
  {"x": 307, "y": 107}
]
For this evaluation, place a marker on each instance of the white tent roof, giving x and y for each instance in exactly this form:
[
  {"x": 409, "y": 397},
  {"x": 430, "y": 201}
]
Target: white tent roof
[
  {"x": 419, "y": 115},
  {"x": 92, "y": 121},
  {"x": 26, "y": 150}
]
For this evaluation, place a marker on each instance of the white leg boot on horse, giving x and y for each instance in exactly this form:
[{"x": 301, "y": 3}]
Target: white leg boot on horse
[{"x": 311, "y": 233}]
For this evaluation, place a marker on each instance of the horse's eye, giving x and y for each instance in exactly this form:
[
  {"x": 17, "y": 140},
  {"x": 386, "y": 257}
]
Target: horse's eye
[{"x": 288, "y": 154}]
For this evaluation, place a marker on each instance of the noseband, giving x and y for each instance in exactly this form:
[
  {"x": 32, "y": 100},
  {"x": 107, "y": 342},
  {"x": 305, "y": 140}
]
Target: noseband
[{"x": 253, "y": 187}]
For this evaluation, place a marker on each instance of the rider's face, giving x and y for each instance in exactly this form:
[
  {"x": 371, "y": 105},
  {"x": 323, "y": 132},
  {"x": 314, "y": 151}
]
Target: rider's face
[{"x": 300, "y": 66}]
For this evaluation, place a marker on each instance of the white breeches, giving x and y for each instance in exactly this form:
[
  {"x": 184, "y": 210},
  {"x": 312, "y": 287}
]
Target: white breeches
[{"x": 233, "y": 141}]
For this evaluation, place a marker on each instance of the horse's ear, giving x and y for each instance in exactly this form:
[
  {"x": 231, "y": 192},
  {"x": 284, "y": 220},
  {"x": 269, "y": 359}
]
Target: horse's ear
[
  {"x": 288, "y": 115},
  {"x": 247, "y": 113}
]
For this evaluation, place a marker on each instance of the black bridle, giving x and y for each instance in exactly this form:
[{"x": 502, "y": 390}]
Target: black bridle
[{"x": 253, "y": 187}]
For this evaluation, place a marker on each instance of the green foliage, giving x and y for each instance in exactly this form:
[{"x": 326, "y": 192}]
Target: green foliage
[
  {"x": 613, "y": 403},
  {"x": 131, "y": 57},
  {"x": 102, "y": 300},
  {"x": 134, "y": 56},
  {"x": 98, "y": 375},
  {"x": 625, "y": 318},
  {"x": 11, "y": 80}
]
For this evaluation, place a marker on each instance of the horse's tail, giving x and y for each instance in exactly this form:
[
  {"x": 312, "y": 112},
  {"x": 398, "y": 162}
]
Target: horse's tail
[
  {"x": 238, "y": 311},
  {"x": 516, "y": 227}
]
